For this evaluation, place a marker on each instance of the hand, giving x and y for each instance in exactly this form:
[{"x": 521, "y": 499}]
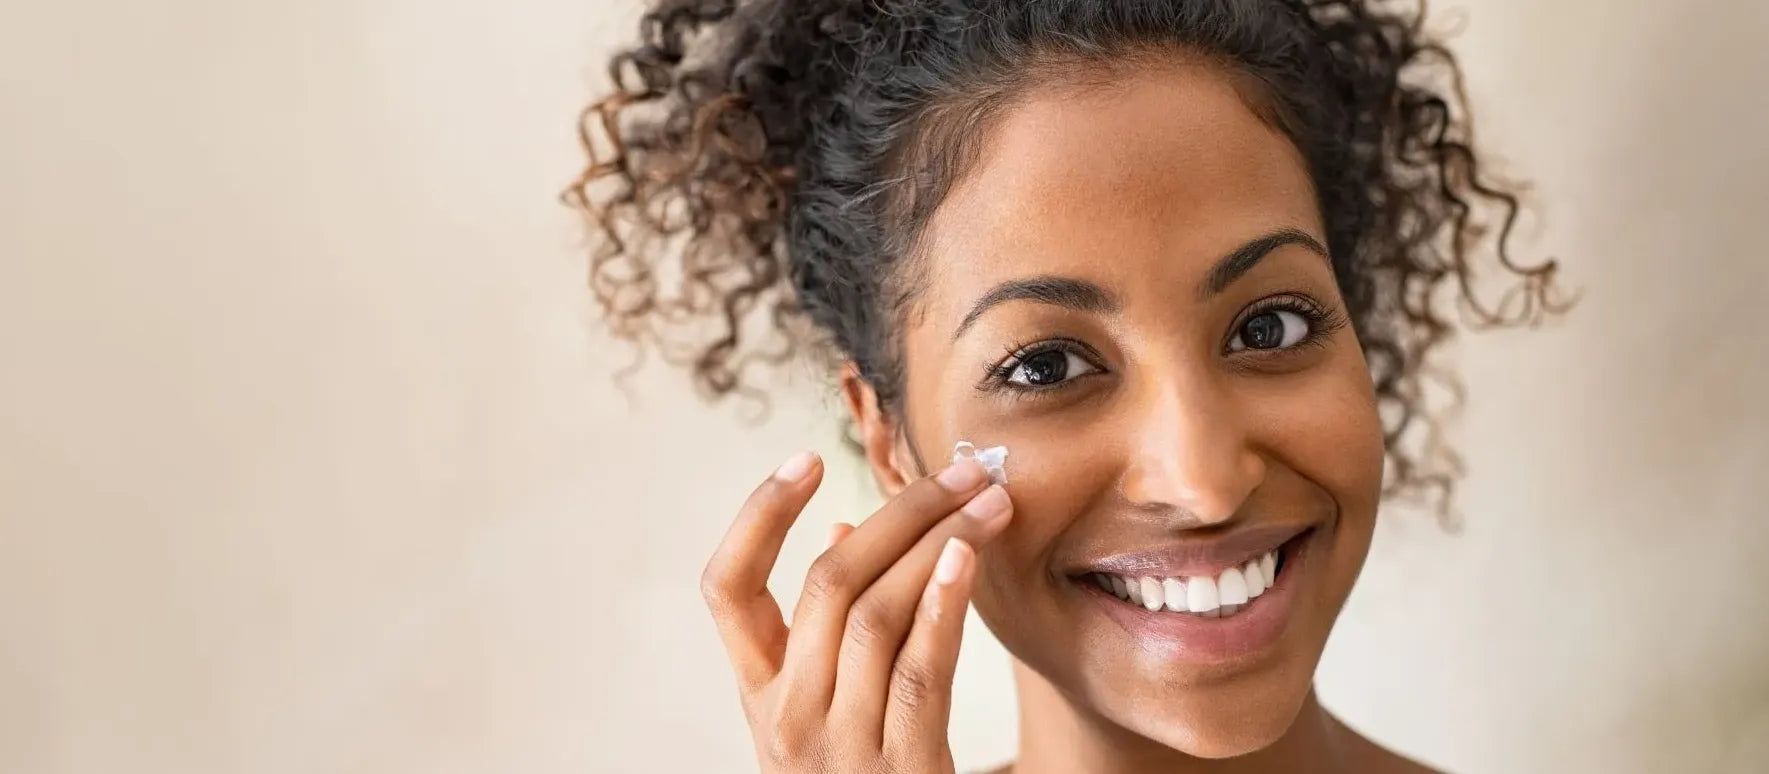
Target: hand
[{"x": 862, "y": 682}]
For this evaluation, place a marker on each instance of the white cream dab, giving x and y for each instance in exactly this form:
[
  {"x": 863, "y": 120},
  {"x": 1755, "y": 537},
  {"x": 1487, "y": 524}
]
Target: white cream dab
[{"x": 993, "y": 459}]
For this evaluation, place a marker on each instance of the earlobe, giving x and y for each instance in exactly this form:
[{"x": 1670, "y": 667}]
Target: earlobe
[{"x": 877, "y": 433}]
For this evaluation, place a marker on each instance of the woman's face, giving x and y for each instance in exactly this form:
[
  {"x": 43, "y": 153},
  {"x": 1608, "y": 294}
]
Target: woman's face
[{"x": 1129, "y": 292}]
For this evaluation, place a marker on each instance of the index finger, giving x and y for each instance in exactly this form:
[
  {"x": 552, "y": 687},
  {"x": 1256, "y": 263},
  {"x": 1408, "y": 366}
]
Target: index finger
[
  {"x": 735, "y": 583},
  {"x": 843, "y": 572}
]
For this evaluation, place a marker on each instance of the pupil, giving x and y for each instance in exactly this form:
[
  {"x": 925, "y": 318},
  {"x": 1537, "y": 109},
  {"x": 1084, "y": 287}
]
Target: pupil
[
  {"x": 1045, "y": 368},
  {"x": 1263, "y": 331}
]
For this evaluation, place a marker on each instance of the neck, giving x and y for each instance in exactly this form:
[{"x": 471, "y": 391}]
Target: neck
[{"x": 1057, "y": 736}]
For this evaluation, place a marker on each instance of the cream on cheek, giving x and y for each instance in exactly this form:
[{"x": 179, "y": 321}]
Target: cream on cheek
[
  {"x": 1055, "y": 474},
  {"x": 992, "y": 458},
  {"x": 1038, "y": 464}
]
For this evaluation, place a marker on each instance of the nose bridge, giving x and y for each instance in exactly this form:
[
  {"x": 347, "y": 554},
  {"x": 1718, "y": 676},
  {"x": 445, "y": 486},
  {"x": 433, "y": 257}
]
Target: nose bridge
[{"x": 1191, "y": 449}]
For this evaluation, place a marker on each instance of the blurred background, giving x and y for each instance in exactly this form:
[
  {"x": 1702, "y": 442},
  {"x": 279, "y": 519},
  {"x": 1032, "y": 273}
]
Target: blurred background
[{"x": 312, "y": 459}]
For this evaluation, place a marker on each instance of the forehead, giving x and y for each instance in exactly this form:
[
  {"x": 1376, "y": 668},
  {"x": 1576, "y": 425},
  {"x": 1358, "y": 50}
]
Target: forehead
[{"x": 1139, "y": 183}]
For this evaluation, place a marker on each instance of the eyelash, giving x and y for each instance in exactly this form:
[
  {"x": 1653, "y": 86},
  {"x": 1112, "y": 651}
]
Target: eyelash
[
  {"x": 996, "y": 375},
  {"x": 1322, "y": 323}
]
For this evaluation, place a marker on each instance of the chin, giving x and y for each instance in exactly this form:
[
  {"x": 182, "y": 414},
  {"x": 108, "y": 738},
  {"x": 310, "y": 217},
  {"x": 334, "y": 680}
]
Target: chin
[{"x": 1226, "y": 723}]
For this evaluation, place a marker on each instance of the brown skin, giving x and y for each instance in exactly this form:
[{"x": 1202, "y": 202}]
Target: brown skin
[{"x": 1163, "y": 430}]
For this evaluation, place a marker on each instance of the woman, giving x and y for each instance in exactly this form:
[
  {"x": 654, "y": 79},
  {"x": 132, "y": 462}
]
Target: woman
[{"x": 1174, "y": 255}]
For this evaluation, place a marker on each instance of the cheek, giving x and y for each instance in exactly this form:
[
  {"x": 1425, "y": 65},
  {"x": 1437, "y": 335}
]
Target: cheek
[
  {"x": 1046, "y": 461},
  {"x": 1049, "y": 453},
  {"x": 1055, "y": 473},
  {"x": 1324, "y": 426}
]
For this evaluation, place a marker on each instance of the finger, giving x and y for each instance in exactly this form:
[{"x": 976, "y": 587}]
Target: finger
[
  {"x": 837, "y": 531},
  {"x": 735, "y": 583},
  {"x": 841, "y": 573},
  {"x": 920, "y": 704},
  {"x": 880, "y": 620}
]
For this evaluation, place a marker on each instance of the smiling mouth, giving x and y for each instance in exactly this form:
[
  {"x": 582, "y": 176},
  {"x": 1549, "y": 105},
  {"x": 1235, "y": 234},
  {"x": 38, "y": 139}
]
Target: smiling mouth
[{"x": 1222, "y": 595}]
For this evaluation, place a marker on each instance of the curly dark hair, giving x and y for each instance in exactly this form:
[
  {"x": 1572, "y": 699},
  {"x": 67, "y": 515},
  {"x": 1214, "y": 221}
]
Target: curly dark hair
[{"x": 772, "y": 161}]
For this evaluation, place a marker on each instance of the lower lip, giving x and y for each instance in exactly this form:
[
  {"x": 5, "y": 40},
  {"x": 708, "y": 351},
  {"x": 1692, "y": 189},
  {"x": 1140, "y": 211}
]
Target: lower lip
[{"x": 1187, "y": 637}]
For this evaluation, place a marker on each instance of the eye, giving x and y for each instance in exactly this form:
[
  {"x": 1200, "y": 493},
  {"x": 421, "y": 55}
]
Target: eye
[
  {"x": 1049, "y": 368},
  {"x": 1273, "y": 329}
]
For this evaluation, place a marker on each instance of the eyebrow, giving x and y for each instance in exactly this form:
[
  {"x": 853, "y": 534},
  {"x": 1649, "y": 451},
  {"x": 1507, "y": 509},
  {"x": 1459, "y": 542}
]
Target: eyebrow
[
  {"x": 1067, "y": 292},
  {"x": 1236, "y": 264},
  {"x": 1084, "y": 296}
]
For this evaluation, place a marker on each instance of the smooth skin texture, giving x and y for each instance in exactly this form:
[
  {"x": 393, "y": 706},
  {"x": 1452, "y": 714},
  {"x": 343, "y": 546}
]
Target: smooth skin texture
[
  {"x": 862, "y": 681},
  {"x": 1161, "y": 227}
]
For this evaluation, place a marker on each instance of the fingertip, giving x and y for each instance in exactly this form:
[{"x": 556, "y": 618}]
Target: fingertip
[
  {"x": 990, "y": 505},
  {"x": 797, "y": 468},
  {"x": 962, "y": 476}
]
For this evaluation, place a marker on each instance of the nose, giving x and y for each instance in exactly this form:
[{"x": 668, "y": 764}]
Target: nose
[{"x": 1191, "y": 453}]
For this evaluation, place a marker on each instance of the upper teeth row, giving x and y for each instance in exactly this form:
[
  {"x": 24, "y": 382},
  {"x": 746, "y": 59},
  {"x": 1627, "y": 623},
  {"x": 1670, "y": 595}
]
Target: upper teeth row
[{"x": 1225, "y": 592}]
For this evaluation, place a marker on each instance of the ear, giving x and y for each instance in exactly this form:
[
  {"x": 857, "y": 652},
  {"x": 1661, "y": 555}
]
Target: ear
[{"x": 877, "y": 433}]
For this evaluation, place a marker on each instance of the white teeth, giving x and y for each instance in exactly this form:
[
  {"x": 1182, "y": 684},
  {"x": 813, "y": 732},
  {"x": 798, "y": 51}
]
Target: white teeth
[
  {"x": 1231, "y": 588},
  {"x": 1173, "y": 592},
  {"x": 1200, "y": 595},
  {"x": 1226, "y": 594},
  {"x": 1255, "y": 579},
  {"x": 1151, "y": 593}
]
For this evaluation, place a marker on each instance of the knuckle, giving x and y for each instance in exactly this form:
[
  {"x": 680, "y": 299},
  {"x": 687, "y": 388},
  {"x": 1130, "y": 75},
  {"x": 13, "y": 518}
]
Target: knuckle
[
  {"x": 828, "y": 577},
  {"x": 869, "y": 623},
  {"x": 913, "y": 682},
  {"x": 715, "y": 586},
  {"x": 787, "y": 745},
  {"x": 904, "y": 757},
  {"x": 780, "y": 746}
]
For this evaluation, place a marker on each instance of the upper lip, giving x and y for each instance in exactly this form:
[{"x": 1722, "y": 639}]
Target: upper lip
[{"x": 1197, "y": 556}]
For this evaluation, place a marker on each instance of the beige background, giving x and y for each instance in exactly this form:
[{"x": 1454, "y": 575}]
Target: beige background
[{"x": 310, "y": 460}]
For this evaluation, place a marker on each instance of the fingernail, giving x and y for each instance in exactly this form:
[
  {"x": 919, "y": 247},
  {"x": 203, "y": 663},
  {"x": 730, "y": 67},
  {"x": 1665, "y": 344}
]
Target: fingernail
[
  {"x": 795, "y": 469},
  {"x": 952, "y": 559},
  {"x": 988, "y": 504},
  {"x": 963, "y": 476}
]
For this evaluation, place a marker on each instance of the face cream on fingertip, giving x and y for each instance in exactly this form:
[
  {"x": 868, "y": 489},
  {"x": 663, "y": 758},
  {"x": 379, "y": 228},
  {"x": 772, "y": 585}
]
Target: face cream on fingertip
[{"x": 993, "y": 459}]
